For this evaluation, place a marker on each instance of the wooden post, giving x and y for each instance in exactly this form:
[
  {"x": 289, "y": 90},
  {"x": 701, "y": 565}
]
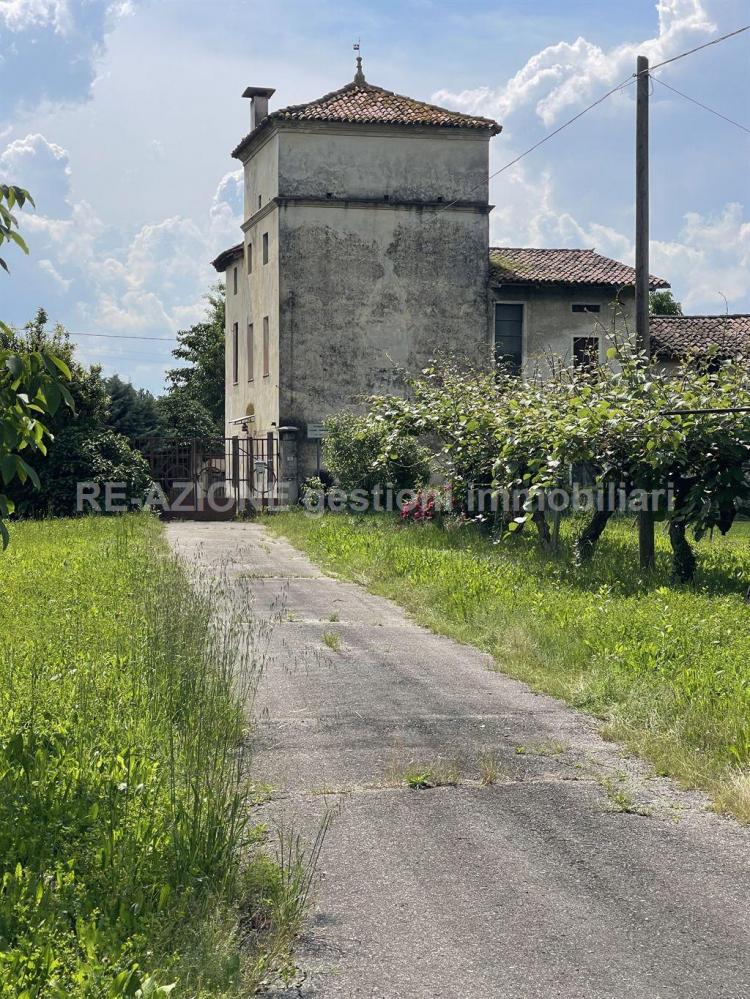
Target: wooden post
[{"x": 642, "y": 338}]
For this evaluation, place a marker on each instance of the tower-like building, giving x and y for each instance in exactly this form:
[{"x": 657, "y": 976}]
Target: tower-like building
[{"x": 364, "y": 252}]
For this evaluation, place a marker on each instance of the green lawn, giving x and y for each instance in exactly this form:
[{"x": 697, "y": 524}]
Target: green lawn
[
  {"x": 124, "y": 829},
  {"x": 666, "y": 667}
]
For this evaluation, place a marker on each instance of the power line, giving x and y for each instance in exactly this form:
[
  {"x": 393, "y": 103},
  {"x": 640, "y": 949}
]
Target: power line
[
  {"x": 545, "y": 138},
  {"x": 124, "y": 336},
  {"x": 704, "y": 106},
  {"x": 600, "y": 100},
  {"x": 570, "y": 121},
  {"x": 714, "y": 41}
]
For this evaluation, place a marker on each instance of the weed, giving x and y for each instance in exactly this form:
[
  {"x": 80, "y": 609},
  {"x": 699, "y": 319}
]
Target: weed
[
  {"x": 620, "y": 800},
  {"x": 333, "y": 617},
  {"x": 419, "y": 776},
  {"x": 551, "y": 748},
  {"x": 333, "y": 640},
  {"x": 489, "y": 769}
]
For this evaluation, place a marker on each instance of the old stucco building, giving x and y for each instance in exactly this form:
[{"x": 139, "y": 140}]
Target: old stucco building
[{"x": 365, "y": 252}]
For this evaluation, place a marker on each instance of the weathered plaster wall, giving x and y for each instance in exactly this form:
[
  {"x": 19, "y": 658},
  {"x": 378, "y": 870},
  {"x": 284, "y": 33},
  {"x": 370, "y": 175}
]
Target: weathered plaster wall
[
  {"x": 366, "y": 291},
  {"x": 407, "y": 164},
  {"x": 258, "y": 297},
  {"x": 262, "y": 174},
  {"x": 550, "y": 323},
  {"x": 236, "y": 312}
]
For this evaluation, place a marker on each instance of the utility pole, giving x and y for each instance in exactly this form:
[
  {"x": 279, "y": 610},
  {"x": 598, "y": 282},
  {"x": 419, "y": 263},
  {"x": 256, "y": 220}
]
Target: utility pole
[{"x": 643, "y": 343}]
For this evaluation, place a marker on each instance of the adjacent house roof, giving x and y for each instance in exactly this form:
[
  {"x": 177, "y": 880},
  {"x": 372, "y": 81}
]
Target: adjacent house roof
[
  {"x": 530, "y": 265},
  {"x": 363, "y": 103},
  {"x": 226, "y": 257},
  {"x": 674, "y": 337}
]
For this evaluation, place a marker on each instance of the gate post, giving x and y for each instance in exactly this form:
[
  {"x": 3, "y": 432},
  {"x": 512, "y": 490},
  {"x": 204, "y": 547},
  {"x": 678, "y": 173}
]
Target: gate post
[{"x": 288, "y": 491}]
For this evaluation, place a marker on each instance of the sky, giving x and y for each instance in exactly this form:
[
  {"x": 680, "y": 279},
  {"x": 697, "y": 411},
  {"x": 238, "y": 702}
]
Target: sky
[{"x": 119, "y": 116}]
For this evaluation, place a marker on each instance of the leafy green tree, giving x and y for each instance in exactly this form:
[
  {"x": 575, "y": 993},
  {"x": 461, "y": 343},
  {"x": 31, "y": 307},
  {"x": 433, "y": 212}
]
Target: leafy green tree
[
  {"x": 31, "y": 384},
  {"x": 132, "y": 412},
  {"x": 81, "y": 447},
  {"x": 196, "y": 390},
  {"x": 663, "y": 303},
  {"x": 185, "y": 418}
]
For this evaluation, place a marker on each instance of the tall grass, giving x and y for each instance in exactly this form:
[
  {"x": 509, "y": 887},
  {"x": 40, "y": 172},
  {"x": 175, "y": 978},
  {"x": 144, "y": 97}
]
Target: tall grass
[
  {"x": 124, "y": 820},
  {"x": 667, "y": 667}
]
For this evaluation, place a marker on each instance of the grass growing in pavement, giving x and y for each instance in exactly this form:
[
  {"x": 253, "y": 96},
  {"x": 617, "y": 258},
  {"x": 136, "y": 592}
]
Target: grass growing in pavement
[
  {"x": 666, "y": 667},
  {"x": 333, "y": 640},
  {"x": 124, "y": 833}
]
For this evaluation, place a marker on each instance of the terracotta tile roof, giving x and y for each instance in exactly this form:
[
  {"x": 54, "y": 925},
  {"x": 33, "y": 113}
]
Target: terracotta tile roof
[
  {"x": 364, "y": 104},
  {"x": 226, "y": 257},
  {"x": 529, "y": 265},
  {"x": 673, "y": 337}
]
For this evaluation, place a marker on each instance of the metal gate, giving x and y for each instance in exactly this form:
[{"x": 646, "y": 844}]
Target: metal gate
[{"x": 212, "y": 478}]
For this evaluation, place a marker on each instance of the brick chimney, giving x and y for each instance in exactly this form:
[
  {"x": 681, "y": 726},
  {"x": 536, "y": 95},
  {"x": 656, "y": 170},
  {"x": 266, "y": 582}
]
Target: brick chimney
[{"x": 258, "y": 104}]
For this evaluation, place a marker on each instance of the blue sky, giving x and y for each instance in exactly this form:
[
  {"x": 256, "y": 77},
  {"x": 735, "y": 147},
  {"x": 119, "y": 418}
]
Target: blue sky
[{"x": 119, "y": 116}]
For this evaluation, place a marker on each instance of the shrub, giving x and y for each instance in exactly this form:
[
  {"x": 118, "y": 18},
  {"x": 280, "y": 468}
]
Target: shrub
[
  {"x": 363, "y": 452},
  {"x": 89, "y": 456}
]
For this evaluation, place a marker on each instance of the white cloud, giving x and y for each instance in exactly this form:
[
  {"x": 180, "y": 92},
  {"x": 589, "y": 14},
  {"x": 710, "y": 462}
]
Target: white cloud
[
  {"x": 48, "y": 268},
  {"x": 569, "y": 73},
  {"x": 21, "y": 15},
  {"x": 709, "y": 262},
  {"x": 41, "y": 167},
  {"x": 152, "y": 281}
]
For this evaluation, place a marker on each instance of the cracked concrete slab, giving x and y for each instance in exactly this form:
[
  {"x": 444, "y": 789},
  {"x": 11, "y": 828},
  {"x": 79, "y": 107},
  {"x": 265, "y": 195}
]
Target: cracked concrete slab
[{"x": 533, "y": 886}]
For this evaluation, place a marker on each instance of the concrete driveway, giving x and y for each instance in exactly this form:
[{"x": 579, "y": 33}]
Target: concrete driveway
[{"x": 574, "y": 873}]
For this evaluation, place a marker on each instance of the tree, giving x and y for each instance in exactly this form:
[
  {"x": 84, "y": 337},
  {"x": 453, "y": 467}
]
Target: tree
[
  {"x": 185, "y": 418},
  {"x": 132, "y": 412},
  {"x": 196, "y": 391},
  {"x": 663, "y": 303},
  {"x": 31, "y": 384},
  {"x": 81, "y": 447}
]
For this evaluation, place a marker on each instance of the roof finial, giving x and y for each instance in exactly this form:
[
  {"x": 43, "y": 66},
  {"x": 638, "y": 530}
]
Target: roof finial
[{"x": 359, "y": 76}]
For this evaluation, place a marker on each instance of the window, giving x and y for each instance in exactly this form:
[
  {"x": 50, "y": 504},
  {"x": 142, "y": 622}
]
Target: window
[
  {"x": 234, "y": 279},
  {"x": 250, "y": 358},
  {"x": 266, "y": 348},
  {"x": 265, "y": 247},
  {"x": 259, "y": 201},
  {"x": 249, "y": 258},
  {"x": 235, "y": 357},
  {"x": 583, "y": 307},
  {"x": 509, "y": 336},
  {"x": 585, "y": 351}
]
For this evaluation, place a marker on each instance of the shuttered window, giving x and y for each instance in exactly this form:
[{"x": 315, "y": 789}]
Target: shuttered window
[
  {"x": 250, "y": 357},
  {"x": 509, "y": 336},
  {"x": 235, "y": 352}
]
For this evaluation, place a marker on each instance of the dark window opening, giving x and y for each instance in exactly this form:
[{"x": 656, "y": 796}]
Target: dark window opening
[
  {"x": 235, "y": 357},
  {"x": 266, "y": 348},
  {"x": 509, "y": 336},
  {"x": 583, "y": 307},
  {"x": 234, "y": 279},
  {"x": 249, "y": 258},
  {"x": 265, "y": 247},
  {"x": 250, "y": 358},
  {"x": 585, "y": 351},
  {"x": 259, "y": 201}
]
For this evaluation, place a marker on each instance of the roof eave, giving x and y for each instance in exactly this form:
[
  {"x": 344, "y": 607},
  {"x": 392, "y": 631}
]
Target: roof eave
[{"x": 225, "y": 258}]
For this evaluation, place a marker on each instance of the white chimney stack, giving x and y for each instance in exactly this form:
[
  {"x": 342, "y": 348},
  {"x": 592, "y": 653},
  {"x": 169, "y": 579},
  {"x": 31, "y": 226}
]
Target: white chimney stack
[{"x": 258, "y": 104}]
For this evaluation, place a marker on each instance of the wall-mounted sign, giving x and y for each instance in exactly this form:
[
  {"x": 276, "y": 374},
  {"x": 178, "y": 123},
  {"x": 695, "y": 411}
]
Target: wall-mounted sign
[{"x": 315, "y": 431}]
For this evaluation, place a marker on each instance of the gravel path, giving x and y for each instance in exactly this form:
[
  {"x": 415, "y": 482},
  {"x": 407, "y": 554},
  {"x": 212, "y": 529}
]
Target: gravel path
[{"x": 538, "y": 885}]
